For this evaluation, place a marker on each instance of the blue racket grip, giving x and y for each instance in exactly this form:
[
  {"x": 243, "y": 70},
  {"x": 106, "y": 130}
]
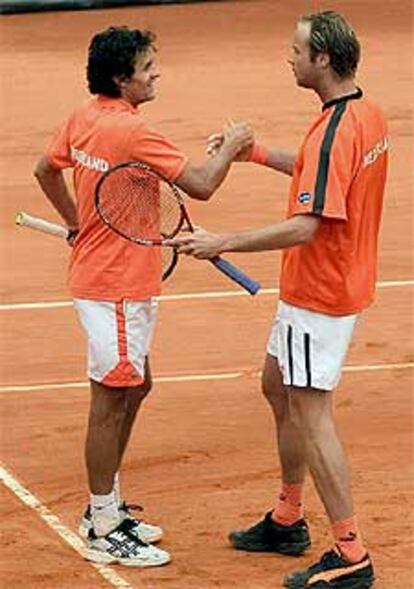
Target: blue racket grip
[{"x": 235, "y": 274}]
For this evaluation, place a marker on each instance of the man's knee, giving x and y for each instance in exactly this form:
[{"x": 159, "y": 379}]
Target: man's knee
[
  {"x": 107, "y": 403},
  {"x": 141, "y": 391},
  {"x": 138, "y": 393}
]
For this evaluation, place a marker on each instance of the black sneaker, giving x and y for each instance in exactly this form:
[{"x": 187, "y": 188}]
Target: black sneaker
[
  {"x": 333, "y": 572},
  {"x": 268, "y": 536}
]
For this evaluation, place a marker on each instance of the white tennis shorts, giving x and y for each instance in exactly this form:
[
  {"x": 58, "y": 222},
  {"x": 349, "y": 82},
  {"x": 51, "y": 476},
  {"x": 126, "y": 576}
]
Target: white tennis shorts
[
  {"x": 119, "y": 336},
  {"x": 310, "y": 347}
]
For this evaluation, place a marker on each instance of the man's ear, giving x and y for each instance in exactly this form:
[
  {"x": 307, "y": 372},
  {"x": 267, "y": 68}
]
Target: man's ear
[
  {"x": 120, "y": 81},
  {"x": 323, "y": 60}
]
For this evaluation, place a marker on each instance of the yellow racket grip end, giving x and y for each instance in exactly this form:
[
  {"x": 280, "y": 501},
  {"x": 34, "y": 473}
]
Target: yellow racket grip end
[{"x": 19, "y": 219}]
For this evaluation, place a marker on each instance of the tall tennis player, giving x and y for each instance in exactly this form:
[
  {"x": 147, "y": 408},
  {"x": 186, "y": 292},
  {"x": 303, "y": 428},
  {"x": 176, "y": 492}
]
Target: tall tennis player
[{"x": 329, "y": 242}]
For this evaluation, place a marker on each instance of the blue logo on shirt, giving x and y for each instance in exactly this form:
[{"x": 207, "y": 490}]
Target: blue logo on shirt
[{"x": 304, "y": 197}]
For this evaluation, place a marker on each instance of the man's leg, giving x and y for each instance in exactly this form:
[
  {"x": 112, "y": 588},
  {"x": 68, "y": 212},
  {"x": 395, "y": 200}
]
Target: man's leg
[
  {"x": 311, "y": 412},
  {"x": 133, "y": 399},
  {"x": 114, "y": 538},
  {"x": 106, "y": 416},
  {"x": 282, "y": 530},
  {"x": 348, "y": 565},
  {"x": 289, "y": 439}
]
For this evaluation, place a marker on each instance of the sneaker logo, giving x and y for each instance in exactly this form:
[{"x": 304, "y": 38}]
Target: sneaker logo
[{"x": 336, "y": 573}]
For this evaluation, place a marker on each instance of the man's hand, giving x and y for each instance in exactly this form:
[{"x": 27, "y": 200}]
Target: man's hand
[
  {"x": 201, "y": 244},
  {"x": 237, "y": 136},
  {"x": 71, "y": 236}
]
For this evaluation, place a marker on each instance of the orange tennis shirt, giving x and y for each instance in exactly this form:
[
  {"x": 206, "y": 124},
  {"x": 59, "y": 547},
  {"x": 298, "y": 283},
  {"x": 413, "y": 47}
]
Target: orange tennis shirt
[
  {"x": 99, "y": 134},
  {"x": 339, "y": 175}
]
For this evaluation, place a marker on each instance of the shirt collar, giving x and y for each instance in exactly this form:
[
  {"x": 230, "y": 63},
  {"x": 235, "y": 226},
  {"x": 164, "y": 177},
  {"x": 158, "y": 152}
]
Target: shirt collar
[
  {"x": 353, "y": 96},
  {"x": 115, "y": 103}
]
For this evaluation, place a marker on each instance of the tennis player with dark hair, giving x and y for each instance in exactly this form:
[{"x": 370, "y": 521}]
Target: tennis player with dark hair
[
  {"x": 328, "y": 277},
  {"x": 112, "y": 280}
]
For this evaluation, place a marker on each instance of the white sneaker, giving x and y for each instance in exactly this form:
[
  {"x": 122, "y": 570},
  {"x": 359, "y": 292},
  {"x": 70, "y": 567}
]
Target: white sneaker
[
  {"x": 121, "y": 547},
  {"x": 147, "y": 533}
]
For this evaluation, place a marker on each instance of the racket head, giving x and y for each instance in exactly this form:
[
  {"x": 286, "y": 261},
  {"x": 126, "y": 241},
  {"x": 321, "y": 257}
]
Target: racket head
[{"x": 139, "y": 204}]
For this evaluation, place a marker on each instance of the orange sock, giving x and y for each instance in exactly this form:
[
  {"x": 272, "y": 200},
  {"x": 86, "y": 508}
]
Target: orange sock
[
  {"x": 289, "y": 508},
  {"x": 348, "y": 539}
]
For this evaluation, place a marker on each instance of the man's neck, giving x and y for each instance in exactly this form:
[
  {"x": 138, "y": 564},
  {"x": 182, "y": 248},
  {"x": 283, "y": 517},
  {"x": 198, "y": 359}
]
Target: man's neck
[{"x": 331, "y": 90}]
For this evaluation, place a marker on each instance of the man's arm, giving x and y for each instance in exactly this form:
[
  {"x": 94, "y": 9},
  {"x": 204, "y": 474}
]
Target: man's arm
[
  {"x": 54, "y": 186},
  {"x": 297, "y": 230},
  {"x": 200, "y": 182},
  {"x": 277, "y": 159}
]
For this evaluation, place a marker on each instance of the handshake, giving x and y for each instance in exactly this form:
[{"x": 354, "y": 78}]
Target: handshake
[
  {"x": 236, "y": 137},
  {"x": 239, "y": 139}
]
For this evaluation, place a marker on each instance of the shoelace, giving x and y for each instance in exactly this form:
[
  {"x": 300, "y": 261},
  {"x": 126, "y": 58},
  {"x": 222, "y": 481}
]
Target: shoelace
[
  {"x": 130, "y": 507},
  {"x": 126, "y": 528},
  {"x": 329, "y": 559}
]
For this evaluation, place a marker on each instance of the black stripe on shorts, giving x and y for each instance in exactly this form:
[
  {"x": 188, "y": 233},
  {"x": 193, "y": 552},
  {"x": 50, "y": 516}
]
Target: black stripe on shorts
[
  {"x": 290, "y": 352},
  {"x": 306, "y": 342}
]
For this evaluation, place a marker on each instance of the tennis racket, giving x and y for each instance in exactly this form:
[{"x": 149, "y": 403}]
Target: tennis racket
[
  {"x": 169, "y": 256},
  {"x": 142, "y": 206}
]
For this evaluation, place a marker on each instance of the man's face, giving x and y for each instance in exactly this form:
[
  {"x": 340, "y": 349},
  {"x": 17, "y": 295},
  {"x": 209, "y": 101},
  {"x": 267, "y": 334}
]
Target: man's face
[
  {"x": 305, "y": 71},
  {"x": 141, "y": 86}
]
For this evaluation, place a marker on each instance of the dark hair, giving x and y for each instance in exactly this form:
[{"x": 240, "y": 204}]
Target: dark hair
[
  {"x": 113, "y": 53},
  {"x": 330, "y": 33}
]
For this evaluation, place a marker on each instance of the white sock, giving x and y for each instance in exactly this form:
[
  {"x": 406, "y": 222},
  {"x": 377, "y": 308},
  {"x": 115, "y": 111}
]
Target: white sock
[
  {"x": 117, "y": 488},
  {"x": 105, "y": 514}
]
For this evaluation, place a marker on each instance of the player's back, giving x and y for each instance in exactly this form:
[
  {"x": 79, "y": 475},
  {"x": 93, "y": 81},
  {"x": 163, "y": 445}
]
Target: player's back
[
  {"x": 99, "y": 134},
  {"x": 339, "y": 175},
  {"x": 366, "y": 194}
]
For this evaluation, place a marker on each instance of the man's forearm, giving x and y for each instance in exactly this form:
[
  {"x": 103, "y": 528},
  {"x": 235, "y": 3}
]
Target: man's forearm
[
  {"x": 282, "y": 161},
  {"x": 289, "y": 233},
  {"x": 200, "y": 182},
  {"x": 216, "y": 168},
  {"x": 54, "y": 187}
]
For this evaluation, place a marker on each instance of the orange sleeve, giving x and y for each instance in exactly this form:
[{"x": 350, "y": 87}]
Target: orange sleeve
[
  {"x": 58, "y": 152},
  {"x": 324, "y": 172},
  {"x": 152, "y": 148}
]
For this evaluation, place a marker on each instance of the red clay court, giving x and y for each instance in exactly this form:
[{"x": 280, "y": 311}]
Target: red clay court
[{"x": 202, "y": 459}]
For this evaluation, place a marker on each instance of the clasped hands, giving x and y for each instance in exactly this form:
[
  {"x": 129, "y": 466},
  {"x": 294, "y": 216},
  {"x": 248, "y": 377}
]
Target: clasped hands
[{"x": 200, "y": 243}]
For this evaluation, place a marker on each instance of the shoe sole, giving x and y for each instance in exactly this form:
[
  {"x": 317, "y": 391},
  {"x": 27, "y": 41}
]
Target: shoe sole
[
  {"x": 285, "y": 549},
  {"x": 348, "y": 584},
  {"x": 83, "y": 533},
  {"x": 104, "y": 558}
]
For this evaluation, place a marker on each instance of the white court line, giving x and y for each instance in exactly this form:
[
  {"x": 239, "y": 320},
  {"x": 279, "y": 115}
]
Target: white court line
[
  {"x": 54, "y": 522},
  {"x": 186, "y": 296},
  {"x": 82, "y": 384},
  {"x": 194, "y": 378}
]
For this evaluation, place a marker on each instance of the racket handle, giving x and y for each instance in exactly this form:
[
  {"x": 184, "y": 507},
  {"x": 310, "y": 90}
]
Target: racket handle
[
  {"x": 236, "y": 275},
  {"x": 25, "y": 220}
]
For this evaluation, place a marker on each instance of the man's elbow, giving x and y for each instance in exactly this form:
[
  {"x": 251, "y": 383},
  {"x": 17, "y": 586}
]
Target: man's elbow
[
  {"x": 42, "y": 169},
  {"x": 306, "y": 230},
  {"x": 196, "y": 183},
  {"x": 306, "y": 236},
  {"x": 205, "y": 193},
  {"x": 200, "y": 191}
]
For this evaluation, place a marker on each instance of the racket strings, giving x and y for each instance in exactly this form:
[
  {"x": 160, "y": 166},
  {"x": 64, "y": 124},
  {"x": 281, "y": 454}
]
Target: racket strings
[{"x": 139, "y": 205}]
